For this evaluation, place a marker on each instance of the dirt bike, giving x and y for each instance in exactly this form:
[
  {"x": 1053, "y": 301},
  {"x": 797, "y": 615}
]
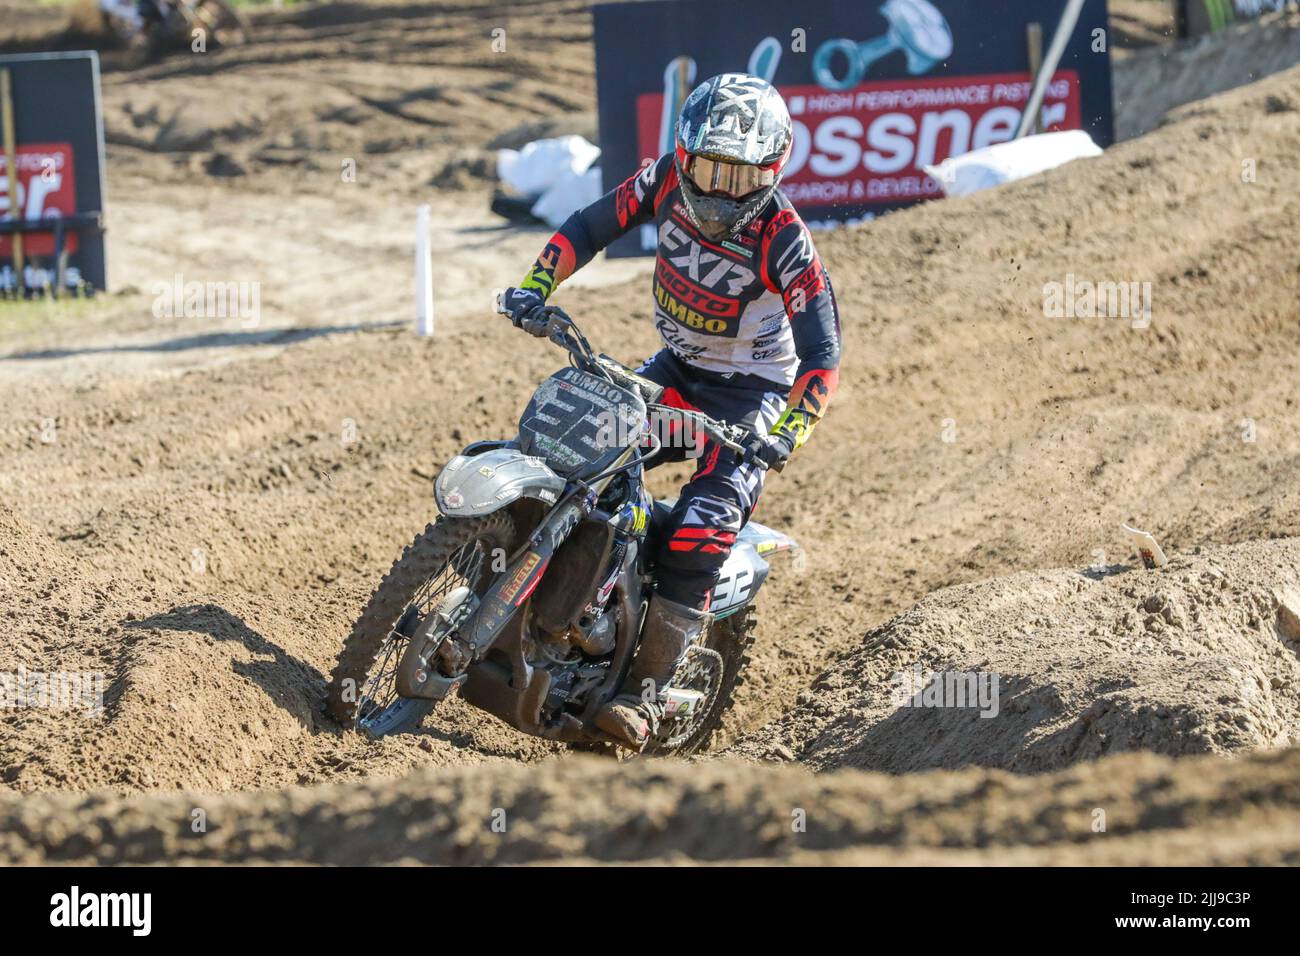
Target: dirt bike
[
  {"x": 527, "y": 594},
  {"x": 175, "y": 26}
]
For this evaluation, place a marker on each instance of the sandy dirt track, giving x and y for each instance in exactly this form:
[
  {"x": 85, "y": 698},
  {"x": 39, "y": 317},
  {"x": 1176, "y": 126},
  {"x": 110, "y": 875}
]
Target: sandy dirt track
[
  {"x": 1196, "y": 657},
  {"x": 1202, "y": 811},
  {"x": 185, "y": 508}
]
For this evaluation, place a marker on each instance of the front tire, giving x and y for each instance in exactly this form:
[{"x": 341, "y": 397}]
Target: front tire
[{"x": 450, "y": 553}]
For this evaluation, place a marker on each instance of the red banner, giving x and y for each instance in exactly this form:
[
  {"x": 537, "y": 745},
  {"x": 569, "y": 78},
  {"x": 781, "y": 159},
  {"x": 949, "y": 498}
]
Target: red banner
[
  {"x": 46, "y": 189},
  {"x": 869, "y": 144}
]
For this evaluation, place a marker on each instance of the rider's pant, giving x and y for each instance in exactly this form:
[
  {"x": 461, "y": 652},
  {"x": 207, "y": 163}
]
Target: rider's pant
[{"x": 720, "y": 496}]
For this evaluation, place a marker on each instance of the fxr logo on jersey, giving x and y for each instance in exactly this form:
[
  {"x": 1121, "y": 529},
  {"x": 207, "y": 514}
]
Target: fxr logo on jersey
[
  {"x": 693, "y": 306},
  {"x": 696, "y": 287},
  {"x": 552, "y": 267},
  {"x": 716, "y": 272}
]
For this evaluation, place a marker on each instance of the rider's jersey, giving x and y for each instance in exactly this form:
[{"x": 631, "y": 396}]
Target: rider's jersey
[{"x": 757, "y": 304}]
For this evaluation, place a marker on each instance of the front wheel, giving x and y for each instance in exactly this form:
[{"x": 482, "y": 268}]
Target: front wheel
[{"x": 450, "y": 554}]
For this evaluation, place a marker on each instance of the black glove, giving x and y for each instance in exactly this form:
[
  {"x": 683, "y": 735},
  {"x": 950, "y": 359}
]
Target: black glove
[
  {"x": 771, "y": 451},
  {"x": 526, "y": 310}
]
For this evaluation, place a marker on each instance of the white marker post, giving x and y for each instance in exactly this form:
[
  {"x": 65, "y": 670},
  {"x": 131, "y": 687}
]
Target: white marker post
[{"x": 423, "y": 274}]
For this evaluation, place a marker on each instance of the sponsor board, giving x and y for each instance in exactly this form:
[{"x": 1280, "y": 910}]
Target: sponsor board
[
  {"x": 46, "y": 189},
  {"x": 876, "y": 90},
  {"x": 59, "y": 157}
]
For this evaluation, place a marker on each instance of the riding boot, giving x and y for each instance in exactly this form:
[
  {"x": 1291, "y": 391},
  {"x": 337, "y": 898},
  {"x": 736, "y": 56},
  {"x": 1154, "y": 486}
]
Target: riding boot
[{"x": 633, "y": 716}]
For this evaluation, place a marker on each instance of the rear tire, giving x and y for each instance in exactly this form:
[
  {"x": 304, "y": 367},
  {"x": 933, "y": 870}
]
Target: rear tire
[
  {"x": 732, "y": 638},
  {"x": 448, "y": 553}
]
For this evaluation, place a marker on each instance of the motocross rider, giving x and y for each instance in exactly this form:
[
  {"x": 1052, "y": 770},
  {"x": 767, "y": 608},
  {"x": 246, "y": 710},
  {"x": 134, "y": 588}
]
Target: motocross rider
[{"x": 750, "y": 331}]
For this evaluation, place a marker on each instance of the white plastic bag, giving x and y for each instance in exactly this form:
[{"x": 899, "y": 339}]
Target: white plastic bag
[
  {"x": 1006, "y": 162},
  {"x": 570, "y": 192},
  {"x": 542, "y": 163}
]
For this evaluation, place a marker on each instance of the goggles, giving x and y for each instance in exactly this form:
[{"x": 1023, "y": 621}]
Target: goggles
[{"x": 732, "y": 179}]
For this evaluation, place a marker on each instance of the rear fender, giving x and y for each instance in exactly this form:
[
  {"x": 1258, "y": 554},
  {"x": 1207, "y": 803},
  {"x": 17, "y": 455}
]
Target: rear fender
[
  {"x": 741, "y": 576},
  {"x": 745, "y": 569},
  {"x": 472, "y": 485}
]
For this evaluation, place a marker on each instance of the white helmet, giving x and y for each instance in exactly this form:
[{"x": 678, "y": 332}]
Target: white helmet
[{"x": 733, "y": 140}]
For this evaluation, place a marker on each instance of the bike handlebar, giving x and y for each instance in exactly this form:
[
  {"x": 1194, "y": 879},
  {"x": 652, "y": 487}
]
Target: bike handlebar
[{"x": 564, "y": 332}]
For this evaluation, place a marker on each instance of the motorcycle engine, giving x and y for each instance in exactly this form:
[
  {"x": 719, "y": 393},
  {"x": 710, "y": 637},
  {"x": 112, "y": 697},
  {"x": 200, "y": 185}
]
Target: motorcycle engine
[{"x": 594, "y": 635}]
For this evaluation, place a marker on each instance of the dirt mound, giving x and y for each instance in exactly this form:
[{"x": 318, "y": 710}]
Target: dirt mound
[
  {"x": 30, "y": 26},
  {"x": 1122, "y": 811},
  {"x": 123, "y": 687},
  {"x": 1039, "y": 670},
  {"x": 410, "y": 94},
  {"x": 57, "y": 662},
  {"x": 1151, "y": 82},
  {"x": 1140, "y": 24}
]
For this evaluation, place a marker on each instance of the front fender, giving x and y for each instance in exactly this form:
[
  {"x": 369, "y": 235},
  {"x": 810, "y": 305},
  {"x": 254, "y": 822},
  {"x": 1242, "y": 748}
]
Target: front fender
[{"x": 471, "y": 485}]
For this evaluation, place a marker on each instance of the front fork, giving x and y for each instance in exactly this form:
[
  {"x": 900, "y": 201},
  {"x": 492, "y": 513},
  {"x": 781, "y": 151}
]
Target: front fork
[{"x": 416, "y": 674}]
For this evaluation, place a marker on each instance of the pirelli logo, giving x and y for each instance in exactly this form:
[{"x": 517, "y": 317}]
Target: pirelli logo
[{"x": 510, "y": 592}]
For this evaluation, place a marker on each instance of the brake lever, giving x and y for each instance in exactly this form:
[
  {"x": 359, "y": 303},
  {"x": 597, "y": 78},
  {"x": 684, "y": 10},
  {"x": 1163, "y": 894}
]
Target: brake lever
[{"x": 558, "y": 332}]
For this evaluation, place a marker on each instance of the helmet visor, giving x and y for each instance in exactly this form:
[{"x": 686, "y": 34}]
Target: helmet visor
[{"x": 729, "y": 179}]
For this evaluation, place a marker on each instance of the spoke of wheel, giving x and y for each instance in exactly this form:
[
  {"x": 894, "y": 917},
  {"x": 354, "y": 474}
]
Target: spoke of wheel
[
  {"x": 373, "y": 685},
  {"x": 428, "y": 594},
  {"x": 384, "y": 669},
  {"x": 437, "y": 587}
]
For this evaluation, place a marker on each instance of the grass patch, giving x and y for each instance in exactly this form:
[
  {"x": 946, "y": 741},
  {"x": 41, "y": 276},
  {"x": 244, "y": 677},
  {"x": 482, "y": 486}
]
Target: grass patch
[{"x": 21, "y": 317}]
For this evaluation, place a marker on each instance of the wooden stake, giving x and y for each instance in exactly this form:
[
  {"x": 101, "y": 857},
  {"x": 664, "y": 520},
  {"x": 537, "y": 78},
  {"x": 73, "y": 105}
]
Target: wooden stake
[
  {"x": 11, "y": 168},
  {"x": 1051, "y": 60},
  {"x": 1034, "y": 38}
]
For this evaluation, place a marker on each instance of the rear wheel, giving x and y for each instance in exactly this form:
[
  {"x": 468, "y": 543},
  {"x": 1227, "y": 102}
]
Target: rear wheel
[
  {"x": 716, "y": 669},
  {"x": 449, "y": 554}
]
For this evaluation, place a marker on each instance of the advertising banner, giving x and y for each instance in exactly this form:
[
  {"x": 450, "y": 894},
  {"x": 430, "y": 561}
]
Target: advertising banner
[
  {"x": 47, "y": 188},
  {"x": 59, "y": 158},
  {"x": 876, "y": 90}
]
